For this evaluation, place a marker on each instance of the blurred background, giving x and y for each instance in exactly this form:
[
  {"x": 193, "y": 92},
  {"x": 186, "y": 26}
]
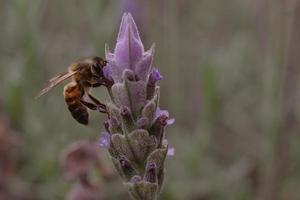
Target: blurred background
[{"x": 231, "y": 71}]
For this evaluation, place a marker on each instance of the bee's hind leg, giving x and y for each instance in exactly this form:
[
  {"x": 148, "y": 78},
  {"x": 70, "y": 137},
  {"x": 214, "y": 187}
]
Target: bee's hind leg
[
  {"x": 96, "y": 104},
  {"x": 100, "y": 105},
  {"x": 93, "y": 106}
]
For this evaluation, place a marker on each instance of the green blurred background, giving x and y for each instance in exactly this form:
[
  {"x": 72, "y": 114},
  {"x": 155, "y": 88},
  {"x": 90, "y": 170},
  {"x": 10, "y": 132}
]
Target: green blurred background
[{"x": 231, "y": 71}]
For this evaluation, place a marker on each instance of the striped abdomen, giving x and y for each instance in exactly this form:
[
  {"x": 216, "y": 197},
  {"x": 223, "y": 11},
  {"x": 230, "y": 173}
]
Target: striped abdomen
[{"x": 73, "y": 93}]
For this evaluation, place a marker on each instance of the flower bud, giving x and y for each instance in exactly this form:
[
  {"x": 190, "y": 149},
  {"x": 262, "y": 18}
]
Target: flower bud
[
  {"x": 114, "y": 125},
  {"x": 104, "y": 140},
  {"x": 154, "y": 77},
  {"x": 151, "y": 172},
  {"x": 142, "y": 123},
  {"x": 158, "y": 127},
  {"x": 127, "y": 119},
  {"x": 127, "y": 168}
]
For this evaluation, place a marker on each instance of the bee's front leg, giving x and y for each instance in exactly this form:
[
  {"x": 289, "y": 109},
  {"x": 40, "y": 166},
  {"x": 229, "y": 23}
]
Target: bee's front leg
[
  {"x": 96, "y": 85},
  {"x": 97, "y": 82}
]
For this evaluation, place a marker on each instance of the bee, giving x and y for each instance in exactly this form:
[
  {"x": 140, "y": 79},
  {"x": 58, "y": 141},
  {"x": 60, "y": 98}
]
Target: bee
[{"x": 86, "y": 73}]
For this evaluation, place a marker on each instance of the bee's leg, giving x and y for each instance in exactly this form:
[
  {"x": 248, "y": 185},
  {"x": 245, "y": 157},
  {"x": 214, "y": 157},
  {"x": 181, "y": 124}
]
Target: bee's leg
[
  {"x": 99, "y": 106},
  {"x": 96, "y": 84},
  {"x": 101, "y": 82},
  {"x": 92, "y": 106},
  {"x": 97, "y": 102},
  {"x": 89, "y": 105}
]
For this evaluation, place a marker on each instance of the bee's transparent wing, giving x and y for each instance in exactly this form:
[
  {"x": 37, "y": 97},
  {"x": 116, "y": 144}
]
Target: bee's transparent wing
[{"x": 55, "y": 81}]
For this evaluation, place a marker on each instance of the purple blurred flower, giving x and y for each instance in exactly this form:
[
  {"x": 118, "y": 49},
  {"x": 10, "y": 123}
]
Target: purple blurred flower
[
  {"x": 78, "y": 158},
  {"x": 129, "y": 53},
  {"x": 85, "y": 192},
  {"x": 104, "y": 140}
]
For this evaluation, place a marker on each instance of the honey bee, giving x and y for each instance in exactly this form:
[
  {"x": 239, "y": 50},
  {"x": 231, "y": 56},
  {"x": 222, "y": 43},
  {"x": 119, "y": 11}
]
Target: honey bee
[{"x": 85, "y": 73}]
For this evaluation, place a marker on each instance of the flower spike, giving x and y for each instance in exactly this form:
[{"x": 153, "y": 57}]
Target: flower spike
[{"x": 136, "y": 126}]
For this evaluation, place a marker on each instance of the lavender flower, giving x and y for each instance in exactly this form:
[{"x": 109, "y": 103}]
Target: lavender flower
[
  {"x": 154, "y": 77},
  {"x": 136, "y": 125},
  {"x": 159, "y": 113},
  {"x": 171, "y": 151},
  {"x": 104, "y": 139}
]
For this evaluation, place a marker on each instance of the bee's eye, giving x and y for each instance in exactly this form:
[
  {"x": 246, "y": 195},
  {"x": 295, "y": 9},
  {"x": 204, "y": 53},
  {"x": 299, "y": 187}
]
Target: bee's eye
[
  {"x": 96, "y": 65},
  {"x": 96, "y": 69}
]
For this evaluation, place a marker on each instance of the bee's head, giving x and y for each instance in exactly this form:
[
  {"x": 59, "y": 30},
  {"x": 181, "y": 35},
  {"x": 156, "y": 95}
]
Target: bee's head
[{"x": 97, "y": 66}]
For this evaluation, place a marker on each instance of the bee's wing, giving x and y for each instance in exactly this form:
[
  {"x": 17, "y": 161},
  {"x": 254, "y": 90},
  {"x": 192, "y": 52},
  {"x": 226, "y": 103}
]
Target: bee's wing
[{"x": 55, "y": 81}]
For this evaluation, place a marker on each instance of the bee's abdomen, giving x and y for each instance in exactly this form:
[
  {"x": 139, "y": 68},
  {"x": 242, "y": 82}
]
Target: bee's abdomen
[
  {"x": 79, "y": 112},
  {"x": 72, "y": 94}
]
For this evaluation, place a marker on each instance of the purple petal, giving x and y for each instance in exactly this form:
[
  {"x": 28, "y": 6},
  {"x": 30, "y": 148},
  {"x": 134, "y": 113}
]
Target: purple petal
[
  {"x": 129, "y": 48},
  {"x": 142, "y": 68},
  {"x": 135, "y": 30},
  {"x": 106, "y": 72},
  {"x": 104, "y": 140},
  {"x": 115, "y": 71},
  {"x": 171, "y": 121},
  {"x": 122, "y": 28},
  {"x": 108, "y": 55},
  {"x": 110, "y": 58},
  {"x": 160, "y": 112},
  {"x": 171, "y": 151},
  {"x": 155, "y": 76}
]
